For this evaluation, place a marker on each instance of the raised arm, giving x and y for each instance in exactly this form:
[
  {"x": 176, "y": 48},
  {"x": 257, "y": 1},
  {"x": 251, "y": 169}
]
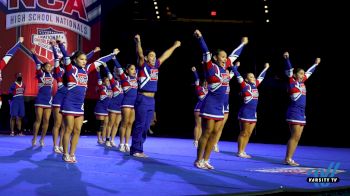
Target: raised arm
[
  {"x": 110, "y": 77},
  {"x": 36, "y": 60},
  {"x": 91, "y": 54},
  {"x": 204, "y": 47},
  {"x": 236, "y": 52},
  {"x": 99, "y": 80},
  {"x": 55, "y": 55},
  {"x": 288, "y": 65},
  {"x": 102, "y": 61},
  {"x": 109, "y": 74},
  {"x": 199, "y": 89},
  {"x": 238, "y": 75},
  {"x": 312, "y": 68},
  {"x": 196, "y": 78},
  {"x": 120, "y": 71},
  {"x": 66, "y": 57},
  {"x": 262, "y": 74},
  {"x": 10, "y": 53},
  {"x": 169, "y": 52},
  {"x": 139, "y": 51}
]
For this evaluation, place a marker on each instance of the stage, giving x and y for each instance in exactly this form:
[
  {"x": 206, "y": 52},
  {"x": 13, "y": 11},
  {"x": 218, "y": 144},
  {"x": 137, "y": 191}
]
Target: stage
[{"x": 169, "y": 169}]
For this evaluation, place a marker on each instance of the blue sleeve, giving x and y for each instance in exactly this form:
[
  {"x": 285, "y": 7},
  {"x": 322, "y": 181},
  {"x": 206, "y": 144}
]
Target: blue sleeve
[
  {"x": 288, "y": 64},
  {"x": 36, "y": 60},
  {"x": 235, "y": 71},
  {"x": 288, "y": 68},
  {"x": 205, "y": 50},
  {"x": 107, "y": 70},
  {"x": 66, "y": 57},
  {"x": 116, "y": 63},
  {"x": 13, "y": 50},
  {"x": 90, "y": 55},
  {"x": 54, "y": 51},
  {"x": 196, "y": 78},
  {"x": 311, "y": 70},
  {"x": 236, "y": 52},
  {"x": 106, "y": 58},
  {"x": 63, "y": 50},
  {"x": 203, "y": 45}
]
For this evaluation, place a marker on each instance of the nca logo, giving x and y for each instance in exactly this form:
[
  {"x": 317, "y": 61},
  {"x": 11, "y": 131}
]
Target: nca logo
[
  {"x": 68, "y": 7},
  {"x": 82, "y": 79},
  {"x": 41, "y": 41}
]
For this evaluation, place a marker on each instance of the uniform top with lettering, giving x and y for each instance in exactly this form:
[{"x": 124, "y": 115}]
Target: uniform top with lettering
[
  {"x": 217, "y": 77},
  {"x": 17, "y": 90},
  {"x": 128, "y": 83},
  {"x": 45, "y": 79},
  {"x": 115, "y": 84},
  {"x": 249, "y": 91},
  {"x": 148, "y": 76},
  {"x": 77, "y": 76},
  {"x": 59, "y": 71},
  {"x": 297, "y": 89}
]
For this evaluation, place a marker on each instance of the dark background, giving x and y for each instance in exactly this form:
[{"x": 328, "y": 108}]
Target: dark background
[{"x": 294, "y": 26}]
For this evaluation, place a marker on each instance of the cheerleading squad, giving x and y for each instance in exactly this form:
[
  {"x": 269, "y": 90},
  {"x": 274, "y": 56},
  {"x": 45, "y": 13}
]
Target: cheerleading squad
[{"x": 126, "y": 99}]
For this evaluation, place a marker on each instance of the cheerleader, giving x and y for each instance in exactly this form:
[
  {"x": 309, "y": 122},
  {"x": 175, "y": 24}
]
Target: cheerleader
[
  {"x": 59, "y": 74},
  {"x": 73, "y": 103},
  {"x": 43, "y": 100},
  {"x": 296, "y": 109},
  {"x": 129, "y": 85},
  {"x": 148, "y": 66},
  {"x": 212, "y": 110},
  {"x": 4, "y": 61},
  {"x": 114, "y": 109},
  {"x": 247, "y": 113},
  {"x": 201, "y": 91},
  {"x": 17, "y": 109},
  {"x": 101, "y": 112}
]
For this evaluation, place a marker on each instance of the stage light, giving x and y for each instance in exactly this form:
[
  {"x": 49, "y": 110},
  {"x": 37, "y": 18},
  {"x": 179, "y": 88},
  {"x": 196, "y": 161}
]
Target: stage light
[
  {"x": 267, "y": 20},
  {"x": 158, "y": 17},
  {"x": 265, "y": 7},
  {"x": 155, "y": 3},
  {"x": 266, "y": 11},
  {"x": 213, "y": 13},
  {"x": 156, "y": 7}
]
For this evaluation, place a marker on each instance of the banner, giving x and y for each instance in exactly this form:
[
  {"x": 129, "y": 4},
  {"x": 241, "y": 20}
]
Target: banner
[{"x": 76, "y": 22}]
